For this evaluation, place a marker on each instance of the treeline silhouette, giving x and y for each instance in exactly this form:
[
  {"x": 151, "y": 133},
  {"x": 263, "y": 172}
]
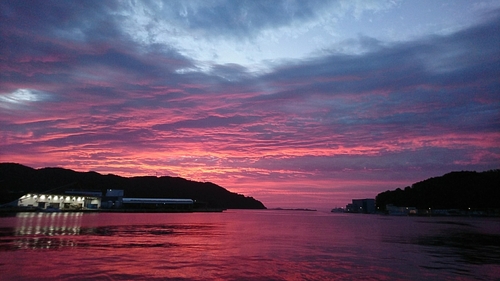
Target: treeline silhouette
[
  {"x": 455, "y": 190},
  {"x": 17, "y": 180}
]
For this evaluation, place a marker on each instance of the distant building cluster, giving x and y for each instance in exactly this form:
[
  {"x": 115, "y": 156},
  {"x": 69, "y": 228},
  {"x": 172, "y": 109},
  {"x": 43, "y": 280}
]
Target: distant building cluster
[
  {"x": 400, "y": 211},
  {"x": 367, "y": 206},
  {"x": 412, "y": 211},
  {"x": 78, "y": 200}
]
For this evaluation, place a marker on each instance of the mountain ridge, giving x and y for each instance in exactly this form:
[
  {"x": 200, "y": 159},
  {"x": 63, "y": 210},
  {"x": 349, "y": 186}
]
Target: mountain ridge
[{"x": 17, "y": 179}]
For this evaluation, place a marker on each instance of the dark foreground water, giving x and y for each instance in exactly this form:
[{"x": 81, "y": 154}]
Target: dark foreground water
[{"x": 247, "y": 245}]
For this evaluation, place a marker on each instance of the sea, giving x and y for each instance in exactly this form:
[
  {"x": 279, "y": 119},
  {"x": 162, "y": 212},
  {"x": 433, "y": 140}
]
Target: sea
[{"x": 247, "y": 245}]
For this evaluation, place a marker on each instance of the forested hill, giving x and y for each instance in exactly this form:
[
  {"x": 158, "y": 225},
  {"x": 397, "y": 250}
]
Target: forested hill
[
  {"x": 16, "y": 180},
  {"x": 456, "y": 190}
]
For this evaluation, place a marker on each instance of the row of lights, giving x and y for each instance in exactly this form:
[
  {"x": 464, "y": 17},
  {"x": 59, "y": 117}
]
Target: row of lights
[{"x": 42, "y": 197}]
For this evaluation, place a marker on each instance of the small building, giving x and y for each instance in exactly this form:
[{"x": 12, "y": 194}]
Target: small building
[
  {"x": 113, "y": 199},
  {"x": 365, "y": 206}
]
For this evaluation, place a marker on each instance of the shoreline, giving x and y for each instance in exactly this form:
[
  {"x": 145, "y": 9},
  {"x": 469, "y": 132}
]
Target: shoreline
[{"x": 35, "y": 210}]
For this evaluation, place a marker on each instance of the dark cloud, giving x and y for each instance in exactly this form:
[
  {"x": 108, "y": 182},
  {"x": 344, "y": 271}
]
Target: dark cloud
[
  {"x": 241, "y": 19},
  {"x": 439, "y": 81},
  {"x": 79, "y": 21}
]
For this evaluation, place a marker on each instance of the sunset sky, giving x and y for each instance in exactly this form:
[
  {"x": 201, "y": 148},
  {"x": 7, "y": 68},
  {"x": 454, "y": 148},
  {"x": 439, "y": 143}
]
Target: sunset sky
[{"x": 296, "y": 103}]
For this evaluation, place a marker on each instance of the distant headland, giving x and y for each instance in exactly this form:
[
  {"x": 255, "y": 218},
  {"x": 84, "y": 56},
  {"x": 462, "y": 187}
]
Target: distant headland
[
  {"x": 17, "y": 180},
  {"x": 466, "y": 193},
  {"x": 456, "y": 190}
]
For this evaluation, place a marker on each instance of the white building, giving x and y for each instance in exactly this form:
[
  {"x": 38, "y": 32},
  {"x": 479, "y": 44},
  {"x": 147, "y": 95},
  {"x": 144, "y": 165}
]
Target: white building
[
  {"x": 93, "y": 200},
  {"x": 60, "y": 201}
]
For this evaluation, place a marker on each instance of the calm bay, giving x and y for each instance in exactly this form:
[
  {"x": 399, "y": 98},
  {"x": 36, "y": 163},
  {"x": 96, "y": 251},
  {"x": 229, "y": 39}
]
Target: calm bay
[{"x": 247, "y": 245}]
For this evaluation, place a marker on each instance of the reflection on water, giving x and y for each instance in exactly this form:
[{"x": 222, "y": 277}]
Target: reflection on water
[
  {"x": 250, "y": 245},
  {"x": 58, "y": 230},
  {"x": 48, "y": 224},
  {"x": 467, "y": 244},
  {"x": 41, "y": 231}
]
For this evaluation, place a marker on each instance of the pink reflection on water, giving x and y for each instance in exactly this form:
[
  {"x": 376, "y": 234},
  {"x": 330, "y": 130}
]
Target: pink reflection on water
[{"x": 234, "y": 245}]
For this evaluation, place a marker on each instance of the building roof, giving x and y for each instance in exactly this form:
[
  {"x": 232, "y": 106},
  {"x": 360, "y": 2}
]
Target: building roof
[{"x": 157, "y": 201}]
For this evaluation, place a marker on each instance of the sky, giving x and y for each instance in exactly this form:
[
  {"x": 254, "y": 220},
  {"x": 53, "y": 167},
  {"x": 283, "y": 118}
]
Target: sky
[{"x": 300, "y": 104}]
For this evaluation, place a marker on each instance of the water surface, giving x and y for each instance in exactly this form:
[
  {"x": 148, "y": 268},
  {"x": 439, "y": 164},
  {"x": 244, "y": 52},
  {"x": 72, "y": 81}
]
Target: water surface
[{"x": 247, "y": 245}]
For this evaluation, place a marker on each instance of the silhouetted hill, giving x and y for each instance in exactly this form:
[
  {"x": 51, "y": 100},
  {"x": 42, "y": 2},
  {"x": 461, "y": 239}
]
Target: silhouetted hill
[
  {"x": 456, "y": 190},
  {"x": 16, "y": 180}
]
